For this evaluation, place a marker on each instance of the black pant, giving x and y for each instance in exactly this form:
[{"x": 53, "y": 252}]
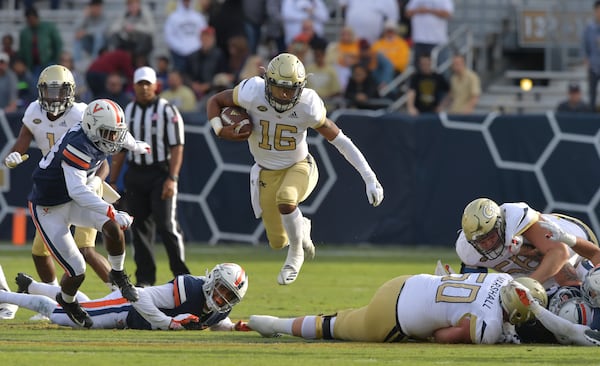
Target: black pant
[{"x": 151, "y": 215}]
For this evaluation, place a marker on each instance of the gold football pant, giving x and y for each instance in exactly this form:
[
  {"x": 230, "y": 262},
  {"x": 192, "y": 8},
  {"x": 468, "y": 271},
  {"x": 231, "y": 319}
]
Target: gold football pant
[
  {"x": 287, "y": 186},
  {"x": 375, "y": 322},
  {"x": 85, "y": 237}
]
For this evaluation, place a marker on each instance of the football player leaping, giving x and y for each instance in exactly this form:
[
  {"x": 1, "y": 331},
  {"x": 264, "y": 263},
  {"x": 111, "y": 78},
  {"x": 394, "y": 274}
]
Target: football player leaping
[
  {"x": 284, "y": 173},
  {"x": 186, "y": 302},
  {"x": 468, "y": 308},
  {"x": 45, "y": 121}
]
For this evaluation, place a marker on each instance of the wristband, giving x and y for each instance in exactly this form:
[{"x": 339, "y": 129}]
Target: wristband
[
  {"x": 174, "y": 178},
  {"x": 217, "y": 124}
]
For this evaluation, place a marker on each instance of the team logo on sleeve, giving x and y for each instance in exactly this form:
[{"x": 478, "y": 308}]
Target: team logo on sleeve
[
  {"x": 262, "y": 108},
  {"x": 37, "y": 121}
]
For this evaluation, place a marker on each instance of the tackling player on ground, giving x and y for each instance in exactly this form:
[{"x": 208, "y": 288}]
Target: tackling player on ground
[
  {"x": 469, "y": 308},
  {"x": 186, "y": 302},
  {"x": 284, "y": 173}
]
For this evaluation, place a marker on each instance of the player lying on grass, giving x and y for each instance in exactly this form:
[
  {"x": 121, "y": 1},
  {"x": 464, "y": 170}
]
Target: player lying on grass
[
  {"x": 186, "y": 302},
  {"x": 467, "y": 308}
]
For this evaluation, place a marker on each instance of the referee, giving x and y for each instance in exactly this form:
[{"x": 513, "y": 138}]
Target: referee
[{"x": 151, "y": 179}]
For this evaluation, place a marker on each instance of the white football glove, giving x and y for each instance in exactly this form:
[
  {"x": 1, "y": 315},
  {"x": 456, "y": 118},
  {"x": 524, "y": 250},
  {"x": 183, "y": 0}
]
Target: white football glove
[
  {"x": 122, "y": 218},
  {"x": 509, "y": 334},
  {"x": 141, "y": 147},
  {"x": 443, "y": 269},
  {"x": 374, "y": 192},
  {"x": 558, "y": 234},
  {"x": 15, "y": 158}
]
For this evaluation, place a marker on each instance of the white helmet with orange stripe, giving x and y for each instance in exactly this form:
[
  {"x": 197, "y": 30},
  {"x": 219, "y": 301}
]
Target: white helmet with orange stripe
[
  {"x": 225, "y": 286},
  {"x": 104, "y": 124}
]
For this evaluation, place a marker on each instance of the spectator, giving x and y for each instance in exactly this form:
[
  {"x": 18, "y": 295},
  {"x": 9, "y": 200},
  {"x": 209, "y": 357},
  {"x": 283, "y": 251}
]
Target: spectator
[
  {"x": 40, "y": 43},
  {"x": 254, "y": 66},
  {"x": 274, "y": 26},
  {"x": 308, "y": 30},
  {"x": 26, "y": 84},
  {"x": 119, "y": 61},
  {"x": 361, "y": 91},
  {"x": 151, "y": 179},
  {"x": 323, "y": 79},
  {"x": 8, "y": 43},
  {"x": 237, "y": 56},
  {"x": 343, "y": 53},
  {"x": 181, "y": 31},
  {"x": 366, "y": 18},
  {"x": 82, "y": 94},
  {"x": 202, "y": 65},
  {"x": 134, "y": 29},
  {"x": 574, "y": 102},
  {"x": 429, "y": 26},
  {"x": 591, "y": 54},
  {"x": 301, "y": 49},
  {"x": 179, "y": 94},
  {"x": 227, "y": 18},
  {"x": 90, "y": 32},
  {"x": 465, "y": 88},
  {"x": 115, "y": 90},
  {"x": 427, "y": 89},
  {"x": 294, "y": 12},
  {"x": 255, "y": 12},
  {"x": 393, "y": 47},
  {"x": 380, "y": 67},
  {"x": 8, "y": 85},
  {"x": 163, "y": 66},
  {"x": 200, "y": 6}
]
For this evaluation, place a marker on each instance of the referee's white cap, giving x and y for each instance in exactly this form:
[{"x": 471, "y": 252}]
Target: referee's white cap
[{"x": 145, "y": 73}]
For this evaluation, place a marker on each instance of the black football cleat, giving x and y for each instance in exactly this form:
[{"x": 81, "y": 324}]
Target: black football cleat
[
  {"x": 121, "y": 280},
  {"x": 75, "y": 312},
  {"x": 23, "y": 281}
]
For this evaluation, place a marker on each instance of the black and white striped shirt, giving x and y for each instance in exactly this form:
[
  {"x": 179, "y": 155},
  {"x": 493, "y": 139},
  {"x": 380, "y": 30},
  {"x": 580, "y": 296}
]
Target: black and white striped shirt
[{"x": 159, "y": 124}]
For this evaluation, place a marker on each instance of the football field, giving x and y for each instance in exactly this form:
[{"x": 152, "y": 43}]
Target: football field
[{"x": 340, "y": 277}]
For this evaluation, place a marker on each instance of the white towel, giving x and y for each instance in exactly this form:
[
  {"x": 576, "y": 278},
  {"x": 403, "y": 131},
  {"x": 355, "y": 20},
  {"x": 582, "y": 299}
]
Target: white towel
[{"x": 254, "y": 192}]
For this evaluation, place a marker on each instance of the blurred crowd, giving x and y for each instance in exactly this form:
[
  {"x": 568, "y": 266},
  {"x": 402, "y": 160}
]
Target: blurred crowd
[{"x": 213, "y": 44}]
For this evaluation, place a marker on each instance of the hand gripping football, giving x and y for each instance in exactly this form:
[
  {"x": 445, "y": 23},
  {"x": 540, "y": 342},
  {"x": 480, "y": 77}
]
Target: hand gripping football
[{"x": 237, "y": 116}]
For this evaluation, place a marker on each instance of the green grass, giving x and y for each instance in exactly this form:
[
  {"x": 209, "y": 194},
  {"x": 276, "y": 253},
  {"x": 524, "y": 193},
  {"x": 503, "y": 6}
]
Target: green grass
[{"x": 340, "y": 277}]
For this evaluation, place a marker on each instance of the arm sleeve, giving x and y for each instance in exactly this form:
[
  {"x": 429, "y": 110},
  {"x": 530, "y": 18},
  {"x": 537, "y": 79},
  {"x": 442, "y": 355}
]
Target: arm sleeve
[
  {"x": 75, "y": 180},
  {"x": 153, "y": 298},
  {"x": 564, "y": 331},
  {"x": 347, "y": 148}
]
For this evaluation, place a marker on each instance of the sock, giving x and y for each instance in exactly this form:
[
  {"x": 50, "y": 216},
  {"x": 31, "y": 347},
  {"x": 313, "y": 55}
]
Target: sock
[
  {"x": 53, "y": 283},
  {"x": 117, "y": 262},
  {"x": 283, "y": 325},
  {"x": 3, "y": 284},
  {"x": 67, "y": 298},
  {"x": 48, "y": 290},
  {"x": 38, "y": 303},
  {"x": 292, "y": 223}
]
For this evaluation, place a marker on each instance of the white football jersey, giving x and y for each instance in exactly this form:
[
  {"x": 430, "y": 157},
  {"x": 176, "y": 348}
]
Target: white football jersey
[
  {"x": 518, "y": 218},
  {"x": 428, "y": 303},
  {"x": 278, "y": 140},
  {"x": 46, "y": 132}
]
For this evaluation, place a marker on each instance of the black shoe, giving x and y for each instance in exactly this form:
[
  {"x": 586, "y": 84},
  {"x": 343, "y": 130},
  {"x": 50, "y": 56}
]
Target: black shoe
[
  {"x": 23, "y": 281},
  {"x": 121, "y": 280},
  {"x": 75, "y": 312},
  {"x": 593, "y": 336}
]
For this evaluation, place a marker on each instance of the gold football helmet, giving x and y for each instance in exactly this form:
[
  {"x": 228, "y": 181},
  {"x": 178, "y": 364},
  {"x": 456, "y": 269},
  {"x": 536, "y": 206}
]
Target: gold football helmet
[
  {"x": 284, "y": 81},
  {"x": 517, "y": 311},
  {"x": 482, "y": 223},
  {"x": 56, "y": 89}
]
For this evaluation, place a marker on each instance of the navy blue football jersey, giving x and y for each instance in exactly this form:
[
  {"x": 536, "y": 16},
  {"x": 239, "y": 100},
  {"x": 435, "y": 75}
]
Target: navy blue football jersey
[
  {"x": 189, "y": 298},
  {"x": 74, "y": 148}
]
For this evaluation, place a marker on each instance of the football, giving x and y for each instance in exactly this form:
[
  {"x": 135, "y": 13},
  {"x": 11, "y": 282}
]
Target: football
[{"x": 237, "y": 116}]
